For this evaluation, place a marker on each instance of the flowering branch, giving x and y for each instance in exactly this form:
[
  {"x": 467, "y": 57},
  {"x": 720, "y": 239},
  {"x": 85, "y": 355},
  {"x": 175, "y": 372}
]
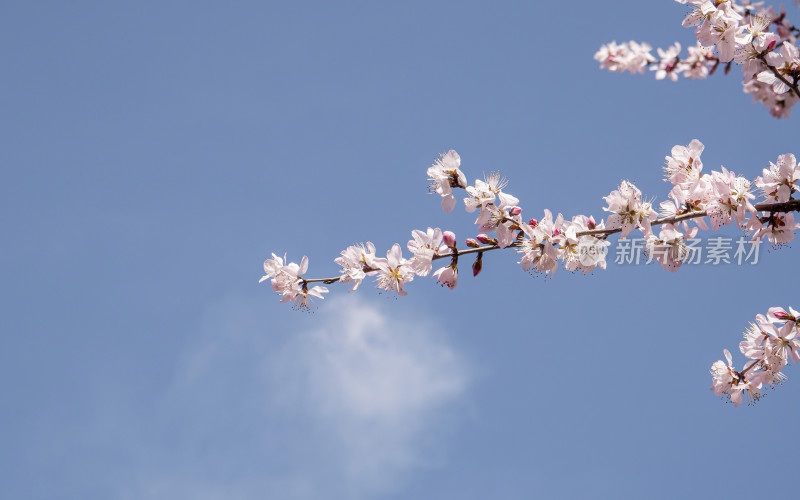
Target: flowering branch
[
  {"x": 785, "y": 179},
  {"x": 791, "y": 206},
  {"x": 771, "y": 67},
  {"x": 437, "y": 256},
  {"x": 769, "y": 343},
  {"x": 580, "y": 243},
  {"x": 738, "y": 33}
]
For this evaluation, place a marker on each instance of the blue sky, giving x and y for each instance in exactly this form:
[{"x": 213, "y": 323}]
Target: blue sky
[{"x": 155, "y": 154}]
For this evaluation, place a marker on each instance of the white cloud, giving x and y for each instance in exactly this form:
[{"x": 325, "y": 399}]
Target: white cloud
[
  {"x": 374, "y": 382},
  {"x": 348, "y": 405}
]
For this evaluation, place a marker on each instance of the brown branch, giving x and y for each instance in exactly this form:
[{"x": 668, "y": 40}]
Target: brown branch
[
  {"x": 788, "y": 206},
  {"x": 665, "y": 220}
]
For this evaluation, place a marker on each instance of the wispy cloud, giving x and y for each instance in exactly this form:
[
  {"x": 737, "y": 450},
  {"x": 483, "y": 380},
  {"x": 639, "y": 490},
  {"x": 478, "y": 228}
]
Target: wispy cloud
[
  {"x": 377, "y": 384},
  {"x": 348, "y": 405}
]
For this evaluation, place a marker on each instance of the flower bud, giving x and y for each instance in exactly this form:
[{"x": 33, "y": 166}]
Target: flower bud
[
  {"x": 592, "y": 224},
  {"x": 486, "y": 240},
  {"x": 449, "y": 239},
  {"x": 772, "y": 45},
  {"x": 472, "y": 243},
  {"x": 477, "y": 265},
  {"x": 533, "y": 222},
  {"x": 556, "y": 232},
  {"x": 515, "y": 211}
]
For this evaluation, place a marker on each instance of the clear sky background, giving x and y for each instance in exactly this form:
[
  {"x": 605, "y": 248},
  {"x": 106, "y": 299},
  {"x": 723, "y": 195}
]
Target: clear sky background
[{"x": 154, "y": 154}]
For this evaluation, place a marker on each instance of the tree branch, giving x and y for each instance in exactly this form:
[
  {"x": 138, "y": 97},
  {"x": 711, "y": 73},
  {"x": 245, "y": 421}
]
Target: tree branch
[{"x": 788, "y": 206}]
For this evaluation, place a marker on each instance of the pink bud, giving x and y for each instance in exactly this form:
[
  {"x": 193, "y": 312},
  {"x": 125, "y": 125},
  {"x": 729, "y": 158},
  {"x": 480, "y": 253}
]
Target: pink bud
[
  {"x": 477, "y": 265},
  {"x": 556, "y": 232},
  {"x": 515, "y": 211},
  {"x": 449, "y": 239},
  {"x": 485, "y": 239},
  {"x": 772, "y": 45},
  {"x": 592, "y": 224},
  {"x": 783, "y": 316},
  {"x": 472, "y": 243},
  {"x": 533, "y": 222}
]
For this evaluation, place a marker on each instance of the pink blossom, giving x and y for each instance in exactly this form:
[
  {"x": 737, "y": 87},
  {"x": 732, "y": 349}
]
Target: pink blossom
[
  {"x": 357, "y": 261},
  {"x": 778, "y": 182},
  {"x": 394, "y": 271},
  {"x": 628, "y": 210},
  {"x": 444, "y": 175},
  {"x": 447, "y": 276},
  {"x": 684, "y": 166},
  {"x": 670, "y": 249},
  {"x": 668, "y": 64},
  {"x": 779, "y": 228},
  {"x": 424, "y": 246},
  {"x": 727, "y": 381},
  {"x": 631, "y": 56},
  {"x": 785, "y": 62}
]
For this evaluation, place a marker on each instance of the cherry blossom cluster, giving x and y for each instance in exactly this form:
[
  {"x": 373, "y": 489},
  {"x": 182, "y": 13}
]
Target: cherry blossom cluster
[
  {"x": 769, "y": 343},
  {"x": 579, "y": 243},
  {"x": 760, "y": 39},
  {"x": 287, "y": 283}
]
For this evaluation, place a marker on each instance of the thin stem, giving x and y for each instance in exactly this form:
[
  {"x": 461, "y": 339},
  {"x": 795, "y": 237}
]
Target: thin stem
[
  {"x": 327, "y": 281},
  {"x": 473, "y": 250},
  {"x": 458, "y": 253},
  {"x": 741, "y": 373},
  {"x": 665, "y": 220}
]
